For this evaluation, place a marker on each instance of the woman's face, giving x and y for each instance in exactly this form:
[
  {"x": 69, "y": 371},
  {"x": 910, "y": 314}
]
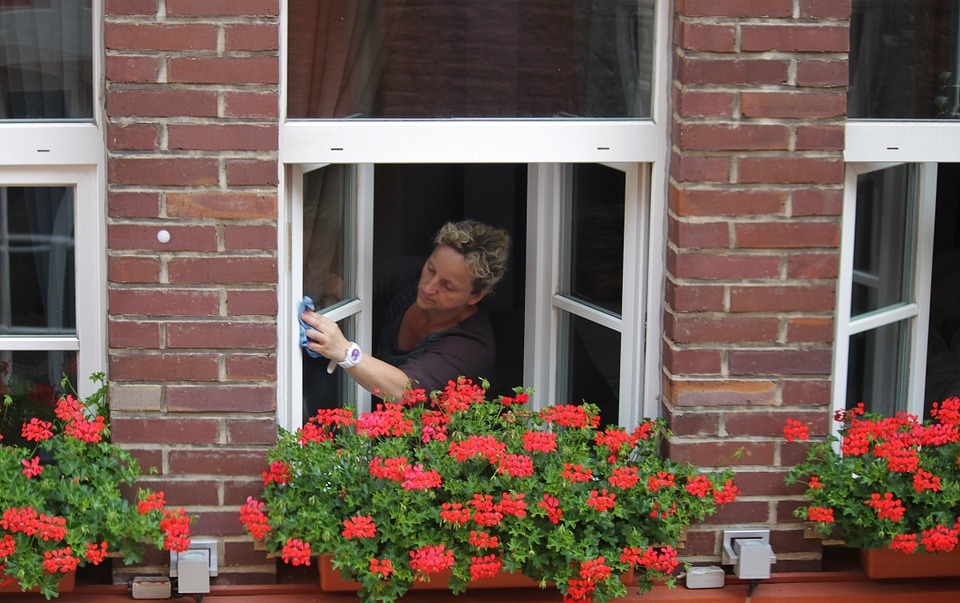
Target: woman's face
[{"x": 445, "y": 282}]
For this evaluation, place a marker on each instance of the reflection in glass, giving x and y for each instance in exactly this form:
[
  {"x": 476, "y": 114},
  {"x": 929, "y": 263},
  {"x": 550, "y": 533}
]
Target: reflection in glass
[
  {"x": 589, "y": 368},
  {"x": 37, "y": 277},
  {"x": 904, "y": 59},
  {"x": 883, "y": 248},
  {"x": 464, "y": 58},
  {"x": 877, "y": 369},
  {"x": 32, "y": 380},
  {"x": 46, "y": 67},
  {"x": 594, "y": 225}
]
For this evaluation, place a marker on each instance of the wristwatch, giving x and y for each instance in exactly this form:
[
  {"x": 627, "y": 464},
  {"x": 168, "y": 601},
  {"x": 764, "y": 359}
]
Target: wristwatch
[{"x": 352, "y": 357}]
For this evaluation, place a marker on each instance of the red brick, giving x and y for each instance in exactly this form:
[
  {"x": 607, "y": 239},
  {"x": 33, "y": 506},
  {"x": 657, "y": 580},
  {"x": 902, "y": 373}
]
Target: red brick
[
  {"x": 162, "y": 103},
  {"x": 797, "y": 170},
  {"x": 232, "y": 71},
  {"x": 732, "y": 71},
  {"x": 251, "y": 37},
  {"x": 795, "y": 38},
  {"x": 743, "y": 511},
  {"x": 167, "y": 302},
  {"x": 787, "y": 235},
  {"x": 236, "y": 491},
  {"x": 706, "y": 37},
  {"x": 764, "y": 482},
  {"x": 226, "y": 205},
  {"x": 132, "y": 69},
  {"x": 251, "y": 104},
  {"x": 767, "y": 298},
  {"x": 250, "y": 237},
  {"x": 692, "y": 362},
  {"x": 191, "y": 171},
  {"x": 133, "y": 269},
  {"x": 223, "y": 8},
  {"x": 133, "y": 205},
  {"x": 770, "y": 424},
  {"x": 729, "y": 202},
  {"x": 243, "y": 554},
  {"x": 229, "y": 137},
  {"x": 806, "y": 392},
  {"x": 168, "y": 430},
  {"x": 137, "y": 335},
  {"x": 817, "y": 202},
  {"x": 695, "y": 298},
  {"x": 251, "y": 172},
  {"x": 130, "y": 7},
  {"x": 217, "y": 523},
  {"x": 156, "y": 36},
  {"x": 700, "y": 169},
  {"x": 185, "y": 492},
  {"x": 219, "y": 461},
  {"x": 704, "y": 104},
  {"x": 144, "y": 237},
  {"x": 722, "y": 393},
  {"x": 812, "y": 330},
  {"x": 221, "y": 335},
  {"x": 148, "y": 459},
  {"x": 726, "y": 453},
  {"x": 219, "y": 398},
  {"x": 823, "y": 74},
  {"x": 222, "y": 270},
  {"x": 820, "y": 138},
  {"x": 813, "y": 265},
  {"x": 806, "y": 105},
  {"x": 252, "y": 431},
  {"x": 779, "y": 362},
  {"x": 251, "y": 367},
  {"x": 699, "y": 235},
  {"x": 697, "y": 424},
  {"x": 251, "y": 303},
  {"x": 133, "y": 137},
  {"x": 825, "y": 9},
  {"x": 736, "y": 8},
  {"x": 164, "y": 367},
  {"x": 715, "y": 137},
  {"x": 708, "y": 329},
  {"x": 729, "y": 266}
]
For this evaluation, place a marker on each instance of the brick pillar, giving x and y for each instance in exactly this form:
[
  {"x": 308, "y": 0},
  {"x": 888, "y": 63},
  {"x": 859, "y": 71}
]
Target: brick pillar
[
  {"x": 192, "y": 109},
  {"x": 754, "y": 231}
]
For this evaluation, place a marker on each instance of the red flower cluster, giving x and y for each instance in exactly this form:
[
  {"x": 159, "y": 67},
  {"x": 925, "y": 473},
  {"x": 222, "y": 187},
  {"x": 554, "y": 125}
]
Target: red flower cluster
[
  {"x": 359, "y": 526},
  {"x": 279, "y": 473},
  {"x": 37, "y": 430},
  {"x": 601, "y": 501},
  {"x": 540, "y": 441},
  {"x": 96, "y": 552},
  {"x": 552, "y": 506},
  {"x": 152, "y": 501},
  {"x": 887, "y": 507},
  {"x": 662, "y": 559},
  {"x": 431, "y": 559},
  {"x": 71, "y": 411},
  {"x": 381, "y": 567},
  {"x": 59, "y": 560},
  {"x": 176, "y": 529},
  {"x": 487, "y": 566},
  {"x": 296, "y": 552},
  {"x": 254, "y": 519},
  {"x": 624, "y": 477},
  {"x": 569, "y": 415},
  {"x": 386, "y": 420}
]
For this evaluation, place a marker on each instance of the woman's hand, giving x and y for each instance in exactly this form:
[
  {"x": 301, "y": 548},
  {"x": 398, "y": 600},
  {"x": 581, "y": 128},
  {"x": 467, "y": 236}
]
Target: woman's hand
[{"x": 325, "y": 337}]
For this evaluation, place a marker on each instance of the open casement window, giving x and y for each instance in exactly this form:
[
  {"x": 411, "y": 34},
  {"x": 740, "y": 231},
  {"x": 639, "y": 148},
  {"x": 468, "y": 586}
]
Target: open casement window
[
  {"x": 51, "y": 306},
  {"x": 884, "y": 296},
  {"x": 567, "y": 316}
]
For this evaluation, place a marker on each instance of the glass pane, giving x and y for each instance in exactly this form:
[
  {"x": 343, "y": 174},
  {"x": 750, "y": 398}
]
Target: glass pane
[
  {"x": 593, "y": 241},
  {"x": 328, "y": 272},
  {"x": 589, "y": 366},
  {"x": 877, "y": 369},
  {"x": 46, "y": 67},
  {"x": 463, "y": 58},
  {"x": 884, "y": 242},
  {"x": 32, "y": 380},
  {"x": 37, "y": 278},
  {"x": 904, "y": 59}
]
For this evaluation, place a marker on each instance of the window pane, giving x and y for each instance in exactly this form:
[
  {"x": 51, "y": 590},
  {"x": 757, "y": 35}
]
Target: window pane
[
  {"x": 46, "y": 68},
  {"x": 589, "y": 371},
  {"x": 904, "y": 59},
  {"x": 593, "y": 241},
  {"x": 463, "y": 58},
  {"x": 883, "y": 257},
  {"x": 327, "y": 390},
  {"x": 877, "y": 369},
  {"x": 37, "y": 282},
  {"x": 32, "y": 380}
]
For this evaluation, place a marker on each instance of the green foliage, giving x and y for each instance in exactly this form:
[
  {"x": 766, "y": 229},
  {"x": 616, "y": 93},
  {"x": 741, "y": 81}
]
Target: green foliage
[{"x": 321, "y": 477}]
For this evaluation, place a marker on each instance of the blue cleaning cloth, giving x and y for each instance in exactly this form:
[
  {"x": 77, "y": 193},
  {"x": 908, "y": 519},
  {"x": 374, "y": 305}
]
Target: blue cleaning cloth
[{"x": 306, "y": 304}]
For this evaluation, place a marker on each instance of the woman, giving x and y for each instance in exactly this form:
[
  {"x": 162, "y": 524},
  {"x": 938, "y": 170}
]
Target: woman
[{"x": 433, "y": 331}]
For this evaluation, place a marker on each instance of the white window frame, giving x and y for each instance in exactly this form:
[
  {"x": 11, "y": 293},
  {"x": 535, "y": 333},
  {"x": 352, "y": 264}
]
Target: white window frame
[
  {"x": 70, "y": 154},
  {"x": 640, "y": 146}
]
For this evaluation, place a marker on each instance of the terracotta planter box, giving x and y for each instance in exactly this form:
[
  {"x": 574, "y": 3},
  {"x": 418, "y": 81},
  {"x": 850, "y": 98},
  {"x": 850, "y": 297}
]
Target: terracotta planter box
[
  {"x": 887, "y": 563},
  {"x": 67, "y": 583}
]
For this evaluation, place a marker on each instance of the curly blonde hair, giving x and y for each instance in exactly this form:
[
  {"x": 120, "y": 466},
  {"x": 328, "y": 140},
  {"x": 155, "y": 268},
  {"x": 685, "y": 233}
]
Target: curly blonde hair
[{"x": 485, "y": 248}]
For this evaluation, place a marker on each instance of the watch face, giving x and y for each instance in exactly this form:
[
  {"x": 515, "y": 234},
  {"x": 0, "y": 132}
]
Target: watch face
[{"x": 354, "y": 354}]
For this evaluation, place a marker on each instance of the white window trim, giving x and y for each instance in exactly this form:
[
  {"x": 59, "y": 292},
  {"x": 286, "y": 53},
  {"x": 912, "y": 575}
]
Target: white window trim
[{"x": 644, "y": 144}]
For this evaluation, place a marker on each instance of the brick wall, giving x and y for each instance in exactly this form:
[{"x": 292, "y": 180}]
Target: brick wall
[
  {"x": 759, "y": 98},
  {"x": 192, "y": 105}
]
